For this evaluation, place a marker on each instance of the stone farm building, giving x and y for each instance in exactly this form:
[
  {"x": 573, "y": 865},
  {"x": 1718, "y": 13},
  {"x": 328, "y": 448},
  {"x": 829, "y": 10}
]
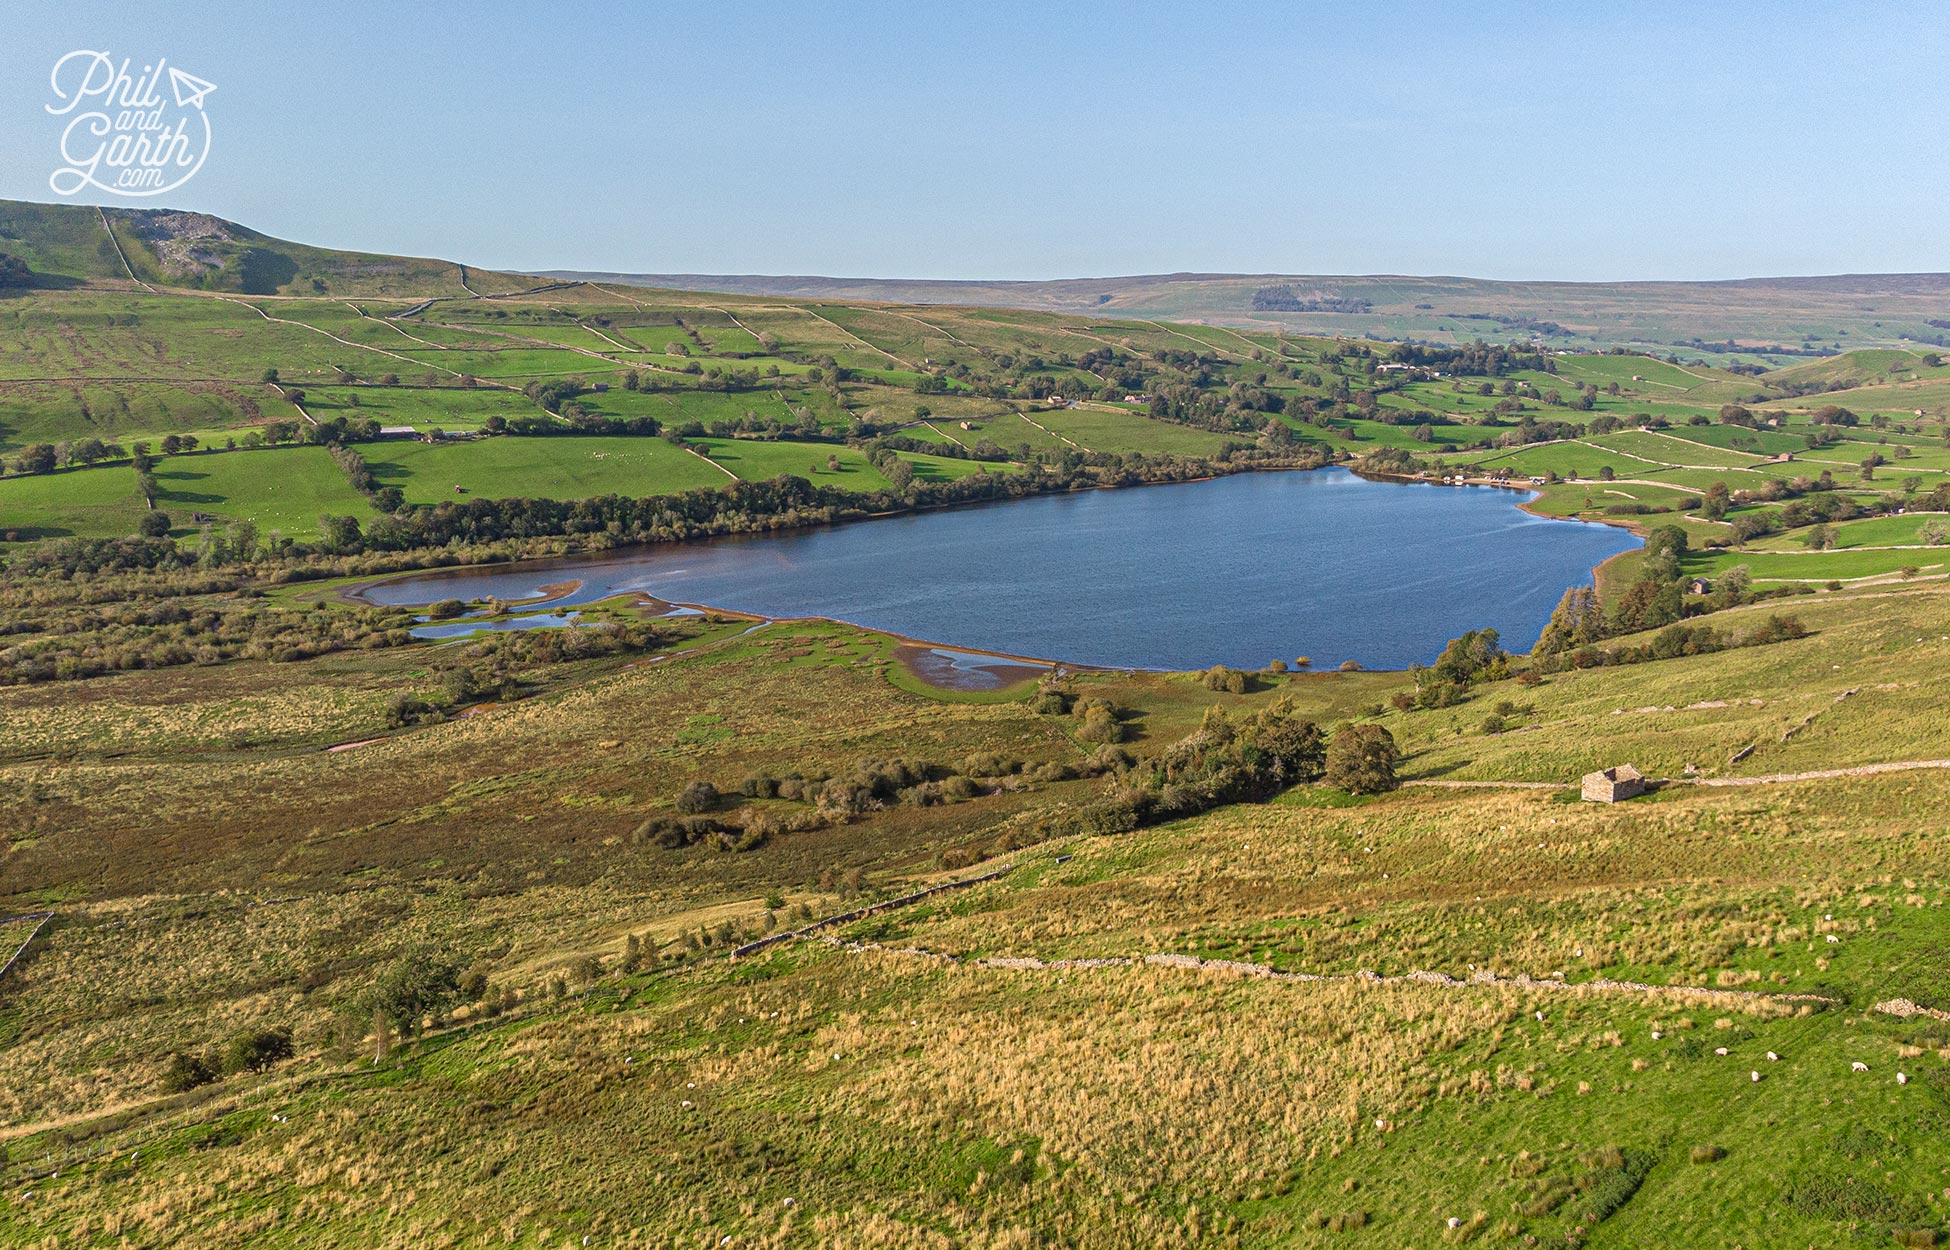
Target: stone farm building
[{"x": 1613, "y": 784}]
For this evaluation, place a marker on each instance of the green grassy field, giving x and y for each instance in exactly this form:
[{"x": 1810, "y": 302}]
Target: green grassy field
[
  {"x": 756, "y": 461},
  {"x": 538, "y": 468},
  {"x": 286, "y": 489},
  {"x": 88, "y": 502}
]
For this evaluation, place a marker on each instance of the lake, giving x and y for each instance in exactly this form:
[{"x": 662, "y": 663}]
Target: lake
[{"x": 1238, "y": 570}]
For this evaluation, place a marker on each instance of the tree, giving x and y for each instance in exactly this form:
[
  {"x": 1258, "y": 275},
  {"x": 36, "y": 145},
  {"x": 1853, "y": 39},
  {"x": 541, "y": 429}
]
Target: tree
[
  {"x": 39, "y": 458},
  {"x": 1819, "y": 537},
  {"x": 153, "y": 524},
  {"x": 1664, "y": 547},
  {"x": 1933, "y": 534},
  {"x": 419, "y": 983},
  {"x": 14, "y": 272},
  {"x": 1361, "y": 760},
  {"x": 1475, "y": 654},
  {"x": 1714, "y": 506},
  {"x": 1578, "y": 621},
  {"x": 257, "y": 1050}
]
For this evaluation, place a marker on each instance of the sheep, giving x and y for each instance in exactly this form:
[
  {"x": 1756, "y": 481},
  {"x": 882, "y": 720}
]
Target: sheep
[
  {"x": 1858, "y": 1066},
  {"x": 1720, "y": 1051},
  {"x": 1656, "y": 1035},
  {"x": 1772, "y": 1057},
  {"x": 1902, "y": 1078},
  {"x": 1833, "y": 940},
  {"x": 1756, "y": 1077}
]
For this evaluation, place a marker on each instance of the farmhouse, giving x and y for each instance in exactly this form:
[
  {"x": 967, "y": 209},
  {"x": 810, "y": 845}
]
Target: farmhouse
[
  {"x": 1613, "y": 784},
  {"x": 1700, "y": 586}
]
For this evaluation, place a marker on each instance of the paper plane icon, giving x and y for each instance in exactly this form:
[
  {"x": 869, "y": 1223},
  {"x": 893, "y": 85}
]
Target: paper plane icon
[{"x": 190, "y": 89}]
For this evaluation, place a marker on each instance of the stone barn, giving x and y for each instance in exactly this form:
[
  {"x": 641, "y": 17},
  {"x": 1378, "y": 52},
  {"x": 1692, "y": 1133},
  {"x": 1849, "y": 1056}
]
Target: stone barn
[{"x": 1613, "y": 784}]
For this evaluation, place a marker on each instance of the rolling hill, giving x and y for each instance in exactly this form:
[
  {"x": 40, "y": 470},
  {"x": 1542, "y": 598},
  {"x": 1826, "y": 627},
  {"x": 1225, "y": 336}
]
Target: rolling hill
[{"x": 1775, "y": 318}]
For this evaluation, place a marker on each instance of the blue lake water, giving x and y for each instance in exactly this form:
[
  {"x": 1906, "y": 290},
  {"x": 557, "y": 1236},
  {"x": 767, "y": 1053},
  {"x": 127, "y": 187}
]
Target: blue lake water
[{"x": 1239, "y": 570}]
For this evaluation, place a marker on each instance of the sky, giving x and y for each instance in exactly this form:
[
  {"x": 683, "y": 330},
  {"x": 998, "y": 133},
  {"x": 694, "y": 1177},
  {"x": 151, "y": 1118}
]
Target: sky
[{"x": 1043, "y": 140}]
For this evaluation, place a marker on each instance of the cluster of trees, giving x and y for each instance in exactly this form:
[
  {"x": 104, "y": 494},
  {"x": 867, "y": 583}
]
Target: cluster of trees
[
  {"x": 247, "y": 1050},
  {"x": 1477, "y": 359},
  {"x": 39, "y": 458},
  {"x": 1657, "y": 601},
  {"x": 359, "y": 474},
  {"x": 1476, "y": 656},
  {"x": 1682, "y": 639}
]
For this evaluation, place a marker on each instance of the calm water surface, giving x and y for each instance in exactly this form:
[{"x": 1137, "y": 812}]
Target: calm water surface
[{"x": 1239, "y": 571}]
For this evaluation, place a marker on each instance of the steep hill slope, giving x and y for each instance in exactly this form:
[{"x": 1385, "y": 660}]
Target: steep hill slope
[{"x": 165, "y": 247}]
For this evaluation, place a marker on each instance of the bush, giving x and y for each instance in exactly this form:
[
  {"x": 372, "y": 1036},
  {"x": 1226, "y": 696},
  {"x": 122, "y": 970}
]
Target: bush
[
  {"x": 186, "y": 1071},
  {"x": 1221, "y": 678},
  {"x": 447, "y": 610},
  {"x": 1494, "y": 724},
  {"x": 699, "y": 796},
  {"x": 1361, "y": 760},
  {"x": 153, "y": 524},
  {"x": 1708, "y": 1154},
  {"x": 1100, "y": 725},
  {"x": 257, "y": 1050},
  {"x": 759, "y": 786},
  {"x": 989, "y": 764}
]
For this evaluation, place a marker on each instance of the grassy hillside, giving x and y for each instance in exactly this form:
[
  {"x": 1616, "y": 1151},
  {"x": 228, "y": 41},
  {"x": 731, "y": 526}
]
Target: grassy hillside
[
  {"x": 940, "y": 1066},
  {"x": 171, "y": 248},
  {"x": 1697, "y": 318}
]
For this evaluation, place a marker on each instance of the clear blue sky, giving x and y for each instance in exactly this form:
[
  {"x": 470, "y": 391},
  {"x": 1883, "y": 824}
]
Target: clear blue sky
[{"x": 1053, "y": 139}]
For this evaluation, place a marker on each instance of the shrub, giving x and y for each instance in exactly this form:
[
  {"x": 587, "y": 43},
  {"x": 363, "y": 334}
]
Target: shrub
[
  {"x": 1708, "y": 1154},
  {"x": 403, "y": 710},
  {"x": 1494, "y": 724},
  {"x": 1361, "y": 760},
  {"x": 1052, "y": 702},
  {"x": 185, "y": 1071},
  {"x": 1100, "y": 725},
  {"x": 759, "y": 786},
  {"x": 989, "y": 764},
  {"x": 699, "y": 796},
  {"x": 256, "y": 1050},
  {"x": 1228, "y": 680}
]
